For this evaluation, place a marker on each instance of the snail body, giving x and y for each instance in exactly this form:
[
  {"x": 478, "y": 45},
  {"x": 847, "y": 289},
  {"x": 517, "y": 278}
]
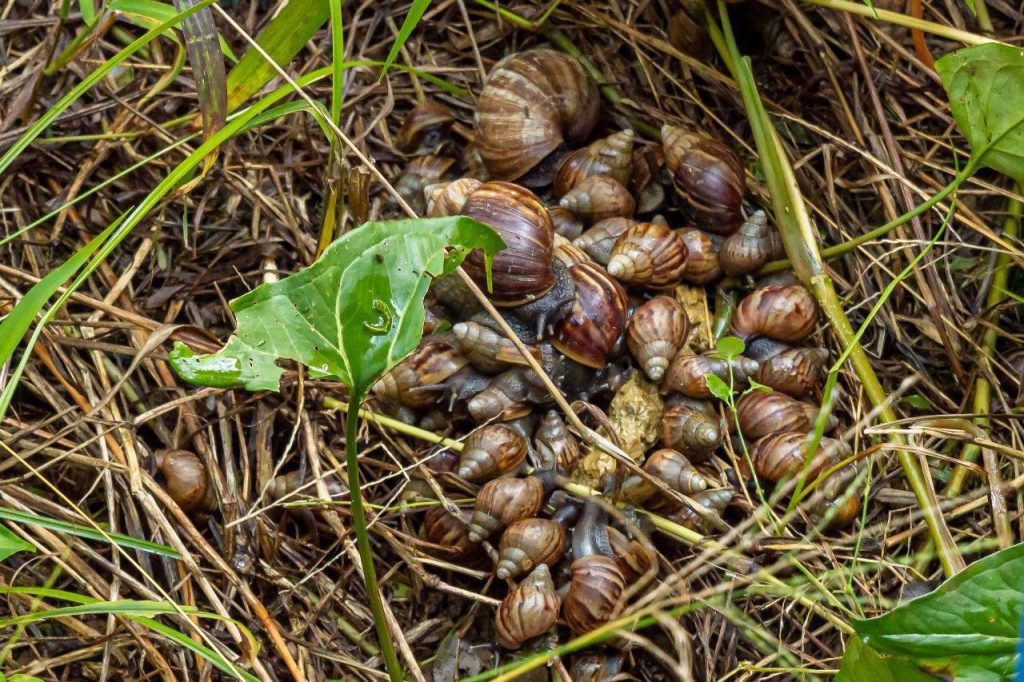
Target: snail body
[
  {"x": 655, "y": 333},
  {"x": 532, "y": 103},
  {"x": 527, "y": 611},
  {"x": 186, "y": 480},
  {"x": 528, "y": 543},
  {"x": 504, "y": 501},
  {"x": 708, "y": 175},
  {"x": 691, "y": 427},
  {"x": 610, "y": 156},
  {"x": 490, "y": 451},
  {"x": 648, "y": 254},
  {"x": 784, "y": 313},
  {"x": 687, "y": 374}
]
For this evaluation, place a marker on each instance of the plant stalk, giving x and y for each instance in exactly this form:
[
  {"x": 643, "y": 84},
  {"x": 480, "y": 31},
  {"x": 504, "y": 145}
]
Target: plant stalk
[
  {"x": 373, "y": 596},
  {"x": 899, "y": 19}
]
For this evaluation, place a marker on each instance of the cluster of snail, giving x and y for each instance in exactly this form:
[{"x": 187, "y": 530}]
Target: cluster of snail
[{"x": 588, "y": 283}]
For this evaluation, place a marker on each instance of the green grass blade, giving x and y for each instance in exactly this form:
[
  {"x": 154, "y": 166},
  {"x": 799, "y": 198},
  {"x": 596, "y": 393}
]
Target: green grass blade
[
  {"x": 124, "y": 541},
  {"x": 207, "y": 65},
  {"x": 11, "y": 544},
  {"x": 408, "y": 26},
  {"x": 187, "y": 642},
  {"x": 337, "y": 57}
]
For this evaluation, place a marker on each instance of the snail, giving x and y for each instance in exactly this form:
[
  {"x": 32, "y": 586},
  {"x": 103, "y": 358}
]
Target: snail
[
  {"x": 449, "y": 533},
  {"x": 424, "y": 128},
  {"x": 556, "y": 448},
  {"x": 186, "y": 480},
  {"x": 672, "y": 468},
  {"x": 645, "y": 182},
  {"x": 528, "y": 543},
  {"x": 691, "y": 427},
  {"x": 598, "y": 240},
  {"x": 491, "y": 450},
  {"x": 610, "y": 156},
  {"x": 750, "y": 247},
  {"x": 430, "y": 365},
  {"x": 702, "y": 260},
  {"x": 655, "y": 333},
  {"x": 688, "y": 36},
  {"x": 649, "y": 255},
  {"x": 486, "y": 349},
  {"x": 687, "y": 374},
  {"x": 760, "y": 413},
  {"x": 299, "y": 482},
  {"x": 569, "y": 253},
  {"x": 597, "y": 667},
  {"x": 566, "y": 223},
  {"x": 708, "y": 175},
  {"x": 528, "y": 610},
  {"x": 507, "y": 396},
  {"x": 448, "y": 198},
  {"x": 455, "y": 296},
  {"x": 419, "y": 173},
  {"x": 588, "y": 333},
  {"x": 504, "y": 501},
  {"x": 794, "y": 371},
  {"x": 597, "y": 198},
  {"x": 532, "y": 103},
  {"x": 597, "y": 583},
  {"x": 783, "y": 454},
  {"x": 716, "y": 500},
  {"x": 784, "y": 313},
  {"x": 835, "y": 498}
]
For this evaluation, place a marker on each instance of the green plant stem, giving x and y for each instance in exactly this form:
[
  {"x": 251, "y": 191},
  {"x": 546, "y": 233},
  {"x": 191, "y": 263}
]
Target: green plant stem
[
  {"x": 387, "y": 649},
  {"x": 982, "y": 386},
  {"x": 899, "y": 19},
  {"x": 799, "y": 238},
  {"x": 982, "y": 17}
]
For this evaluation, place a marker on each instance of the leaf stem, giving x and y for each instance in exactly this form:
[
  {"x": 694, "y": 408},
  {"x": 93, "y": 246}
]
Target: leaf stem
[
  {"x": 373, "y": 596},
  {"x": 899, "y": 19}
]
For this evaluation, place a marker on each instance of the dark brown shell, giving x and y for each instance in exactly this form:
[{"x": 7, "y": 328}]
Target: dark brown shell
[
  {"x": 784, "y": 313},
  {"x": 424, "y": 127},
  {"x": 507, "y": 397},
  {"x": 490, "y": 451},
  {"x": 611, "y": 156},
  {"x": 688, "y": 36},
  {"x": 709, "y": 176},
  {"x": 487, "y": 350},
  {"x": 448, "y": 198},
  {"x": 595, "y": 591},
  {"x": 715, "y": 500},
  {"x": 782, "y": 455},
  {"x": 655, "y": 333},
  {"x": 795, "y": 371},
  {"x": 760, "y": 413},
  {"x": 569, "y": 254},
  {"x": 645, "y": 183},
  {"x": 532, "y": 103},
  {"x": 450, "y": 534},
  {"x": 502, "y": 502},
  {"x": 556, "y": 448},
  {"x": 528, "y": 543},
  {"x": 598, "y": 197},
  {"x": 753, "y": 245},
  {"x": 527, "y": 611},
  {"x": 599, "y": 240},
  {"x": 429, "y": 365},
  {"x": 565, "y": 222},
  {"x": 649, "y": 255},
  {"x": 598, "y": 316},
  {"x": 186, "y": 480},
  {"x": 692, "y": 428},
  {"x": 688, "y": 373},
  {"x": 702, "y": 263},
  {"x": 522, "y": 271}
]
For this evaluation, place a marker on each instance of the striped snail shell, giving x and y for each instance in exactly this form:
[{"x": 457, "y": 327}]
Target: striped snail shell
[
  {"x": 708, "y": 175},
  {"x": 449, "y": 533},
  {"x": 529, "y": 543},
  {"x": 610, "y": 156},
  {"x": 648, "y": 255},
  {"x": 688, "y": 373},
  {"x": 566, "y": 223},
  {"x": 715, "y": 500},
  {"x": 599, "y": 197},
  {"x": 645, "y": 183},
  {"x": 750, "y": 247},
  {"x": 424, "y": 128},
  {"x": 599, "y": 239},
  {"x": 490, "y": 451},
  {"x": 691, "y": 427},
  {"x": 783, "y": 454},
  {"x": 504, "y": 501},
  {"x": 595, "y": 593},
  {"x": 528, "y": 610},
  {"x": 655, "y": 333},
  {"x": 760, "y": 413},
  {"x": 702, "y": 261},
  {"x": 556, "y": 448},
  {"x": 794, "y": 371},
  {"x": 486, "y": 349},
  {"x": 784, "y": 313},
  {"x": 588, "y": 333},
  {"x": 429, "y": 365},
  {"x": 570, "y": 254},
  {"x": 448, "y": 198}
]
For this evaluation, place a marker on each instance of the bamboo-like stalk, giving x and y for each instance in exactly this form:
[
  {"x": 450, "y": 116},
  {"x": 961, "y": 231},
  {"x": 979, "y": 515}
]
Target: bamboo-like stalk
[
  {"x": 899, "y": 19},
  {"x": 800, "y": 240}
]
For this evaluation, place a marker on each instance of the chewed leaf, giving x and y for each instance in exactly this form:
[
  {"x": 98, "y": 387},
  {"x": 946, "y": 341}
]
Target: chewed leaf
[
  {"x": 352, "y": 315},
  {"x": 985, "y": 86}
]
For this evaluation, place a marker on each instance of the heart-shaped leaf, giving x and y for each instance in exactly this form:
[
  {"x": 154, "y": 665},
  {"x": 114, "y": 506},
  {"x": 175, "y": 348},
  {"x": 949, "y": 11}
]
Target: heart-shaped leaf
[
  {"x": 985, "y": 86},
  {"x": 352, "y": 315},
  {"x": 968, "y": 627}
]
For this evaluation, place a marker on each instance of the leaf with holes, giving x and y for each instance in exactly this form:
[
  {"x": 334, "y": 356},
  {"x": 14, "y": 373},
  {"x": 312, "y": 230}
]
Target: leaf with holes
[
  {"x": 353, "y": 314},
  {"x": 985, "y": 86},
  {"x": 967, "y": 628}
]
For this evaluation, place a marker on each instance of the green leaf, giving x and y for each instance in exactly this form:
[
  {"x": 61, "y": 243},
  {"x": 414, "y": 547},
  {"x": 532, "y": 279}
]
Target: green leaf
[
  {"x": 758, "y": 386},
  {"x": 718, "y": 388},
  {"x": 149, "y": 13},
  {"x": 861, "y": 663},
  {"x": 985, "y": 86},
  {"x": 82, "y": 531},
  {"x": 408, "y": 26},
  {"x": 88, "y": 10},
  {"x": 11, "y": 544},
  {"x": 353, "y": 314},
  {"x": 968, "y": 627},
  {"x": 207, "y": 65},
  {"x": 281, "y": 39},
  {"x": 730, "y": 347}
]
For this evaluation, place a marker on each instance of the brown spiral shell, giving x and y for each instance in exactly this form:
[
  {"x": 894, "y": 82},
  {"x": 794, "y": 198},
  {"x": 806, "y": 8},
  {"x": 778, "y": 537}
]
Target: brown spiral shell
[
  {"x": 715, "y": 500},
  {"x": 597, "y": 318},
  {"x": 645, "y": 183},
  {"x": 527, "y": 611},
  {"x": 784, "y": 313},
  {"x": 598, "y": 197},
  {"x": 429, "y": 365},
  {"x": 655, "y": 333},
  {"x": 424, "y": 127},
  {"x": 610, "y": 156},
  {"x": 702, "y": 262},
  {"x": 750, "y": 247},
  {"x": 650, "y": 255},
  {"x": 673, "y": 469},
  {"x": 490, "y": 451},
  {"x": 691, "y": 427},
  {"x": 504, "y": 501},
  {"x": 688, "y": 373},
  {"x": 186, "y": 480},
  {"x": 487, "y": 350},
  {"x": 528, "y": 543},
  {"x": 448, "y": 198},
  {"x": 449, "y": 533},
  {"x": 599, "y": 239},
  {"x": 418, "y": 174},
  {"x": 532, "y": 103},
  {"x": 782, "y": 455},
  {"x": 708, "y": 175},
  {"x": 566, "y": 223},
  {"x": 296, "y": 482},
  {"x": 794, "y": 371},
  {"x": 594, "y": 593},
  {"x": 507, "y": 397},
  {"x": 556, "y": 448},
  {"x": 522, "y": 271},
  {"x": 570, "y": 254},
  {"x": 760, "y": 413}
]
